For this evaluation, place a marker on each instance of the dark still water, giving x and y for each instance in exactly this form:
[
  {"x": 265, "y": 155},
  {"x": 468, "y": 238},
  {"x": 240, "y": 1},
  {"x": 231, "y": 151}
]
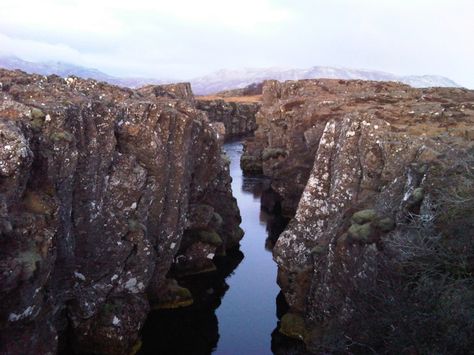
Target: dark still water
[
  {"x": 235, "y": 307},
  {"x": 247, "y": 315}
]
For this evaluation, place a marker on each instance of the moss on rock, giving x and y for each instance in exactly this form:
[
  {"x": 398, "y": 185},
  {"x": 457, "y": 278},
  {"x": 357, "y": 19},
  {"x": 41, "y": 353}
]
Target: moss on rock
[
  {"x": 176, "y": 297},
  {"x": 210, "y": 237},
  {"x": 271, "y": 153},
  {"x": 386, "y": 224},
  {"x": 364, "y": 216},
  {"x": 360, "y": 232},
  {"x": 319, "y": 249},
  {"x": 417, "y": 195},
  {"x": 292, "y": 325},
  {"x": 251, "y": 164},
  {"x": 36, "y": 113},
  {"x": 61, "y": 136}
]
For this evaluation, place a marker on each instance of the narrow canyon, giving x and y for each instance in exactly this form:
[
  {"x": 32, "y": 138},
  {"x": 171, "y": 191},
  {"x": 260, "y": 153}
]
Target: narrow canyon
[{"x": 120, "y": 228}]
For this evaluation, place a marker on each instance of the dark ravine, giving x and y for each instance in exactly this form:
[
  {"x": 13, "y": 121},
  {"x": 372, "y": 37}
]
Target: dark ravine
[
  {"x": 238, "y": 117},
  {"x": 103, "y": 190},
  {"x": 117, "y": 202},
  {"x": 232, "y": 313},
  {"x": 378, "y": 178}
]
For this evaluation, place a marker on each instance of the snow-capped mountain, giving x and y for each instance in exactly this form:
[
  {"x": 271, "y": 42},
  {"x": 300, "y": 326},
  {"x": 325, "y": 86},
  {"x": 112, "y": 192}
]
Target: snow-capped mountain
[
  {"x": 232, "y": 79},
  {"x": 67, "y": 69},
  {"x": 225, "y": 79}
]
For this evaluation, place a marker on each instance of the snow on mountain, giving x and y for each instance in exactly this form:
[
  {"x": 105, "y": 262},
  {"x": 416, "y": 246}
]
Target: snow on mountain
[
  {"x": 226, "y": 79},
  {"x": 65, "y": 69},
  {"x": 231, "y": 79}
]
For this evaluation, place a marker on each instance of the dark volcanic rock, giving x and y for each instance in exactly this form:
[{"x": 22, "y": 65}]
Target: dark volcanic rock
[
  {"x": 368, "y": 170},
  {"x": 181, "y": 91},
  {"x": 95, "y": 187},
  {"x": 238, "y": 117}
]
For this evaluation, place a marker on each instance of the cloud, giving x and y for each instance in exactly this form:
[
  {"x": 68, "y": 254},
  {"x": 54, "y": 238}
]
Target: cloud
[{"x": 183, "y": 38}]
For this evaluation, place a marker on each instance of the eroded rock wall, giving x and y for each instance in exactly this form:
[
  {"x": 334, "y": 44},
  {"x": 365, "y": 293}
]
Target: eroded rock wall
[
  {"x": 98, "y": 185},
  {"x": 238, "y": 117},
  {"x": 364, "y": 168}
]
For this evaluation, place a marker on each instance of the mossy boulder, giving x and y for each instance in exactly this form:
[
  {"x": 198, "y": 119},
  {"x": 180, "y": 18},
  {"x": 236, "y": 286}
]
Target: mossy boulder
[
  {"x": 36, "y": 113},
  {"x": 361, "y": 232},
  {"x": 174, "y": 297},
  {"x": 386, "y": 224},
  {"x": 251, "y": 164},
  {"x": 217, "y": 219},
  {"x": 30, "y": 260},
  {"x": 292, "y": 325},
  {"x": 37, "y": 119},
  {"x": 210, "y": 237},
  {"x": 364, "y": 216},
  {"x": 417, "y": 195},
  {"x": 225, "y": 159},
  {"x": 61, "y": 136}
]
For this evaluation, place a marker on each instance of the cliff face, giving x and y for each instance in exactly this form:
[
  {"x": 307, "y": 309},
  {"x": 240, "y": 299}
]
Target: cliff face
[
  {"x": 102, "y": 191},
  {"x": 238, "y": 117},
  {"x": 370, "y": 172}
]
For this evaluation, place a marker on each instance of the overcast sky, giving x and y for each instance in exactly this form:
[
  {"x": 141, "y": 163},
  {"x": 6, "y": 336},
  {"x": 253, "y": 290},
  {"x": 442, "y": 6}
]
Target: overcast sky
[{"x": 184, "y": 38}]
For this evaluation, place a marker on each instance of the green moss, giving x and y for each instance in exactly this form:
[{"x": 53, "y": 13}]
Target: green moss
[
  {"x": 36, "y": 113},
  {"x": 210, "y": 237},
  {"x": 176, "y": 297},
  {"x": 136, "y": 347},
  {"x": 239, "y": 233},
  {"x": 37, "y": 124},
  {"x": 292, "y": 325},
  {"x": 417, "y": 195},
  {"x": 217, "y": 219},
  {"x": 319, "y": 249},
  {"x": 29, "y": 259},
  {"x": 250, "y": 164},
  {"x": 386, "y": 224},
  {"x": 364, "y": 216},
  {"x": 225, "y": 158},
  {"x": 360, "y": 233},
  {"x": 61, "y": 136},
  {"x": 271, "y": 153}
]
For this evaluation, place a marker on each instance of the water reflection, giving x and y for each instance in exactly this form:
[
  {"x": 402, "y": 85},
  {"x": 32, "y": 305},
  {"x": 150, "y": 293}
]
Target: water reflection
[
  {"x": 194, "y": 329},
  {"x": 242, "y": 322}
]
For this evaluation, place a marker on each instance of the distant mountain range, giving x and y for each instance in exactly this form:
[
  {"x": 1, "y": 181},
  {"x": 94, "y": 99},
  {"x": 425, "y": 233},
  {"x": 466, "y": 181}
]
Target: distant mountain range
[
  {"x": 67, "y": 69},
  {"x": 231, "y": 79},
  {"x": 227, "y": 79}
]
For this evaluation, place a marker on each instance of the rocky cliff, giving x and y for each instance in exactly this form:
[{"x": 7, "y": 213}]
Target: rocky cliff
[
  {"x": 103, "y": 191},
  {"x": 238, "y": 116},
  {"x": 379, "y": 255}
]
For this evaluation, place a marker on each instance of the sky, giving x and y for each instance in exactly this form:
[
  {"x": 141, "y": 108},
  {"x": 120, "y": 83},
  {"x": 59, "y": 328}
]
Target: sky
[{"x": 183, "y": 39}]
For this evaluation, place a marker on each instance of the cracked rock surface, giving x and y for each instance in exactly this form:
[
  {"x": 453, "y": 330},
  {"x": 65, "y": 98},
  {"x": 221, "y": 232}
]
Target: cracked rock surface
[
  {"x": 354, "y": 163},
  {"x": 98, "y": 185}
]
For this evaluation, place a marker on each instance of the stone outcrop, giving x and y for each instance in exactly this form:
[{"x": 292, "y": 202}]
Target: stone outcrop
[
  {"x": 364, "y": 168},
  {"x": 254, "y": 89},
  {"x": 238, "y": 117},
  {"x": 103, "y": 191}
]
